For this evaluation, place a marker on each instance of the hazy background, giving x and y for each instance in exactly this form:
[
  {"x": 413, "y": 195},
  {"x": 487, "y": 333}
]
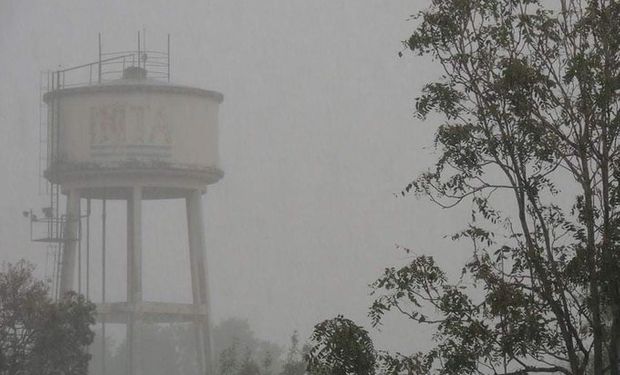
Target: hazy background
[{"x": 317, "y": 134}]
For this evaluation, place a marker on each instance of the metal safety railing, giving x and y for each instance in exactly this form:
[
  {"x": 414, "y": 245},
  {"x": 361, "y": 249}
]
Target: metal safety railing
[{"x": 110, "y": 66}]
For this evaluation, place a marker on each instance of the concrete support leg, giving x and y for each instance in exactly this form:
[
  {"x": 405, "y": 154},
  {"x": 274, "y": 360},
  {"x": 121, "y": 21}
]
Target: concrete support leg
[
  {"x": 200, "y": 291},
  {"x": 134, "y": 279},
  {"x": 70, "y": 242}
]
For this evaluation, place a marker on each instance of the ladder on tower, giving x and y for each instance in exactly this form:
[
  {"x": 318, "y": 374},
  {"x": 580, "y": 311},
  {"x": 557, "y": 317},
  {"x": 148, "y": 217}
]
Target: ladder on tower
[{"x": 48, "y": 226}]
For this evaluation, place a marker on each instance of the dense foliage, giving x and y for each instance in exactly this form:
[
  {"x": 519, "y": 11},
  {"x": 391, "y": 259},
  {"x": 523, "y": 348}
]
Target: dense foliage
[
  {"x": 340, "y": 347},
  {"x": 37, "y": 335}
]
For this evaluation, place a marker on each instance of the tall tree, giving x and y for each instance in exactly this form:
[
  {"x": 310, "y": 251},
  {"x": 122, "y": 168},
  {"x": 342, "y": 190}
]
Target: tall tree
[
  {"x": 37, "y": 335},
  {"x": 529, "y": 97}
]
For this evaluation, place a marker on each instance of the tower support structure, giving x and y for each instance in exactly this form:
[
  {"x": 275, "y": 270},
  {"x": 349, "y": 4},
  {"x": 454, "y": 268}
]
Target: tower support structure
[
  {"x": 135, "y": 312},
  {"x": 69, "y": 253}
]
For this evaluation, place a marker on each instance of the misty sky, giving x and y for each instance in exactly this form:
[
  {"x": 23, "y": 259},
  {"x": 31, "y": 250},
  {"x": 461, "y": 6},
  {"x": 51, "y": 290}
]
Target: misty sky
[{"x": 317, "y": 134}]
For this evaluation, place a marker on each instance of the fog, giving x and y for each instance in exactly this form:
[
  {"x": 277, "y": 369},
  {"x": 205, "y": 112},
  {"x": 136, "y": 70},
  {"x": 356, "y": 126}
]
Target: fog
[{"x": 317, "y": 134}]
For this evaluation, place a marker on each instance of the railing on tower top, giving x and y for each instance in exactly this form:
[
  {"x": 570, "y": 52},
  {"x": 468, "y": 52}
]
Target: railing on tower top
[{"x": 111, "y": 66}]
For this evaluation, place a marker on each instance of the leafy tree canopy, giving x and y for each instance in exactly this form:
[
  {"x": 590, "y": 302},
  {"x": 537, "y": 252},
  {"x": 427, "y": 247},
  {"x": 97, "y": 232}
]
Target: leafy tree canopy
[
  {"x": 37, "y": 335},
  {"x": 340, "y": 347}
]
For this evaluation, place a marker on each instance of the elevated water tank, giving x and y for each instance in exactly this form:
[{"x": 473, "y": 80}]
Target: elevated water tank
[
  {"x": 134, "y": 131},
  {"x": 118, "y": 129}
]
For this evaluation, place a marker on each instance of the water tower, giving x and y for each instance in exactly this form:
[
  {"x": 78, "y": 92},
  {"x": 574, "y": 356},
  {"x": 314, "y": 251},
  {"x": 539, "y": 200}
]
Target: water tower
[{"x": 118, "y": 129}]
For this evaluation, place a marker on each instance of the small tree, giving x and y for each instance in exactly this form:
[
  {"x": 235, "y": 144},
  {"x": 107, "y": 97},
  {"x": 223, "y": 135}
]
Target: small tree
[
  {"x": 228, "y": 362},
  {"x": 340, "y": 347},
  {"x": 295, "y": 363},
  {"x": 38, "y": 336},
  {"x": 232, "y": 338},
  {"x": 249, "y": 365}
]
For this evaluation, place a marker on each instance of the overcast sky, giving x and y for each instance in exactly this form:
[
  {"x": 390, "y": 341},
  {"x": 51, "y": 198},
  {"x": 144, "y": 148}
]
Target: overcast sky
[{"x": 317, "y": 134}]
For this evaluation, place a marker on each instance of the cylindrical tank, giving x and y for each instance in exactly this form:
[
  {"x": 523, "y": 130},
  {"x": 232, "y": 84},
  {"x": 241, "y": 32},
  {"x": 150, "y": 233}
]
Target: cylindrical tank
[{"x": 161, "y": 136}]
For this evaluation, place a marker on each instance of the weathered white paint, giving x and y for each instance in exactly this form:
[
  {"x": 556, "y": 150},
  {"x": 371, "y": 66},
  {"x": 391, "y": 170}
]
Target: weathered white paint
[
  {"x": 134, "y": 277},
  {"x": 70, "y": 235},
  {"x": 200, "y": 287},
  {"x": 136, "y": 123}
]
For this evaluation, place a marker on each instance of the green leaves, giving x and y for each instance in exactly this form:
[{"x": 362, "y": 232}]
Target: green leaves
[
  {"x": 38, "y": 336},
  {"x": 440, "y": 97},
  {"x": 340, "y": 347},
  {"x": 529, "y": 138},
  {"x": 63, "y": 336}
]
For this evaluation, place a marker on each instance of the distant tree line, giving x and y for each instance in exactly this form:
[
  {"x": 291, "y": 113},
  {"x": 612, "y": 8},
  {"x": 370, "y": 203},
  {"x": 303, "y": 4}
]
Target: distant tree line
[{"x": 171, "y": 349}]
